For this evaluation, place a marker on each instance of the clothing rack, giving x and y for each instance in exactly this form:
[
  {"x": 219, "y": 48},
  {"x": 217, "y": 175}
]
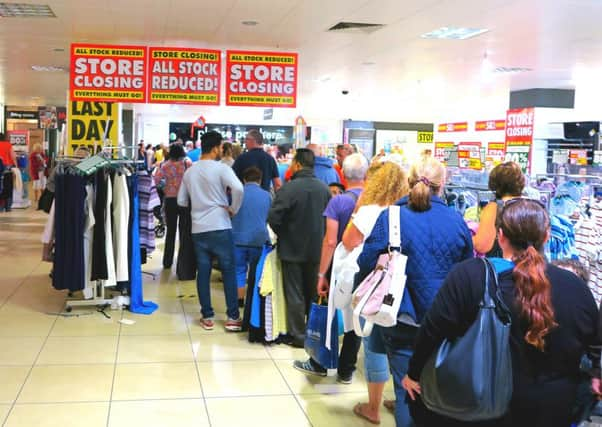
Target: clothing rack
[{"x": 100, "y": 298}]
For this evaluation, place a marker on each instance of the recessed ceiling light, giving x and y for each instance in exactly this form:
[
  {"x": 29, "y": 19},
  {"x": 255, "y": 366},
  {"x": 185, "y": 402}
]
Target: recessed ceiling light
[
  {"x": 368, "y": 63},
  {"x": 58, "y": 49},
  {"x": 250, "y": 23},
  {"x": 25, "y": 10},
  {"x": 454, "y": 33},
  {"x": 47, "y": 68},
  {"x": 512, "y": 69}
]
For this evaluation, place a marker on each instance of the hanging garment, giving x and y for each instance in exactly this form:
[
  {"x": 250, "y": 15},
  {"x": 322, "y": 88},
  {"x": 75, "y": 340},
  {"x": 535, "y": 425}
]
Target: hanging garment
[
  {"x": 109, "y": 237},
  {"x": 121, "y": 215},
  {"x": 148, "y": 200},
  {"x": 99, "y": 252},
  {"x": 588, "y": 244},
  {"x": 271, "y": 283},
  {"x": 137, "y": 303},
  {"x": 68, "y": 266},
  {"x": 90, "y": 286},
  {"x": 186, "y": 266}
]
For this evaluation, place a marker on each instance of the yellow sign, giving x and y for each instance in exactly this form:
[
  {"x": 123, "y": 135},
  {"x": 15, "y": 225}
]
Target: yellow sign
[
  {"x": 425, "y": 137},
  {"x": 87, "y": 123}
]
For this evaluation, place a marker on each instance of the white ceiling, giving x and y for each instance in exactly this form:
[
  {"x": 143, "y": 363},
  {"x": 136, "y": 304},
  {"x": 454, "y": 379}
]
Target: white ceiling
[{"x": 410, "y": 75}]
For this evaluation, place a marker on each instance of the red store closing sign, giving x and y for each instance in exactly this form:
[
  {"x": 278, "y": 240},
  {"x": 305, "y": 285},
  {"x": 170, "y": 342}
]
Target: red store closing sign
[
  {"x": 108, "y": 73},
  {"x": 519, "y": 137},
  {"x": 261, "y": 79},
  {"x": 184, "y": 76}
]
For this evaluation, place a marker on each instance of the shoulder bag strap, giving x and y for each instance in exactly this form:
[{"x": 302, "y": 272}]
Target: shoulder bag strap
[{"x": 394, "y": 234}]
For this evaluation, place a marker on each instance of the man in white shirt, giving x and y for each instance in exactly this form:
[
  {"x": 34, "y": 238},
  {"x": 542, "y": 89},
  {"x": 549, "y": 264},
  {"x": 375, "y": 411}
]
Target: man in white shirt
[{"x": 205, "y": 187}]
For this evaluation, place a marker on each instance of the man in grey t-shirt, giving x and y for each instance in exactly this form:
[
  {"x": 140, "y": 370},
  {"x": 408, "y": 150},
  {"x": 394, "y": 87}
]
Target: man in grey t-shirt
[{"x": 205, "y": 187}]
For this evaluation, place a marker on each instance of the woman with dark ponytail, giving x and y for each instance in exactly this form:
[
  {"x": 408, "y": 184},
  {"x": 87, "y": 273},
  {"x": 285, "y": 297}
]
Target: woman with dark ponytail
[{"x": 554, "y": 322}]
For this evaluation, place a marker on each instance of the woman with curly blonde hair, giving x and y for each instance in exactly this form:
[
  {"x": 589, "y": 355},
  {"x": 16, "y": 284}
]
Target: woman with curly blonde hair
[{"x": 387, "y": 183}]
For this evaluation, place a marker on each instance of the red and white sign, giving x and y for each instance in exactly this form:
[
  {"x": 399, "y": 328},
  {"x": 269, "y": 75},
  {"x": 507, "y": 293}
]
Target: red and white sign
[
  {"x": 108, "y": 73},
  {"x": 453, "y": 127},
  {"x": 519, "y": 137},
  {"x": 440, "y": 150},
  {"x": 578, "y": 157},
  {"x": 184, "y": 76},
  {"x": 469, "y": 155},
  {"x": 490, "y": 125},
  {"x": 496, "y": 151},
  {"x": 261, "y": 79}
]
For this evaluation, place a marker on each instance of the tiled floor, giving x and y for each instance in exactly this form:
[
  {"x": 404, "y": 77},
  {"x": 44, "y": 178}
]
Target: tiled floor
[{"x": 164, "y": 370}]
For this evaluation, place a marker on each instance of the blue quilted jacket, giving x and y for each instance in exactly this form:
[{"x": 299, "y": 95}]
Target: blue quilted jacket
[{"x": 433, "y": 241}]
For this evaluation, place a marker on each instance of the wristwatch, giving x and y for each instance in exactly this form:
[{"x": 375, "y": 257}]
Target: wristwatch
[{"x": 321, "y": 275}]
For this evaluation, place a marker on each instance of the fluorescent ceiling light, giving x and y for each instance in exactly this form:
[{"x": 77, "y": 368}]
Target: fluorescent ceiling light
[
  {"x": 25, "y": 10},
  {"x": 48, "y": 68},
  {"x": 454, "y": 33},
  {"x": 249, "y": 23},
  {"x": 512, "y": 69}
]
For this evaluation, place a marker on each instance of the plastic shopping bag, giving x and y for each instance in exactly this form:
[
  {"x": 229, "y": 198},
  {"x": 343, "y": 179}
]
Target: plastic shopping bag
[{"x": 315, "y": 337}]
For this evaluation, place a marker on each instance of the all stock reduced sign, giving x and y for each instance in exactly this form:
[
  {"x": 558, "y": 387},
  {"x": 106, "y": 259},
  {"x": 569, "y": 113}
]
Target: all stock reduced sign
[
  {"x": 184, "y": 76},
  {"x": 108, "y": 73},
  {"x": 261, "y": 79}
]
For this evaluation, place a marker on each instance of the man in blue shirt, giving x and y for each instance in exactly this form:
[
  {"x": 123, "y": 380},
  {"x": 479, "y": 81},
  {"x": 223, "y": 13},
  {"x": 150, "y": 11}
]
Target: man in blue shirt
[
  {"x": 324, "y": 167},
  {"x": 194, "y": 155},
  {"x": 256, "y": 156}
]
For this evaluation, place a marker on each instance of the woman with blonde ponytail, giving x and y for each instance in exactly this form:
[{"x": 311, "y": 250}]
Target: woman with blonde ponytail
[{"x": 554, "y": 322}]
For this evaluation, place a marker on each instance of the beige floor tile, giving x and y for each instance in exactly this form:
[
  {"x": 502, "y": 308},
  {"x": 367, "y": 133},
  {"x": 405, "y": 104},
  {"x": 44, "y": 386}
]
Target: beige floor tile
[
  {"x": 302, "y": 383},
  {"x": 286, "y": 352},
  {"x": 4, "y": 410},
  {"x": 68, "y": 383},
  {"x": 230, "y": 346},
  {"x": 241, "y": 378},
  {"x": 159, "y": 413},
  {"x": 11, "y": 381},
  {"x": 94, "y": 324},
  {"x": 59, "y": 415},
  {"x": 78, "y": 350},
  {"x": 19, "y": 351},
  {"x": 274, "y": 411},
  {"x": 156, "y": 381},
  {"x": 155, "y": 324},
  {"x": 337, "y": 409},
  {"x": 160, "y": 348},
  {"x": 13, "y": 325}
]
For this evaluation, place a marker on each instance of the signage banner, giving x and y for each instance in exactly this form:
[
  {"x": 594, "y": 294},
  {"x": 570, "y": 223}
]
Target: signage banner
[
  {"x": 519, "y": 137},
  {"x": 597, "y": 158},
  {"x": 496, "y": 152},
  {"x": 560, "y": 157},
  {"x": 184, "y": 76},
  {"x": 86, "y": 124},
  {"x": 425, "y": 137},
  {"x": 578, "y": 157},
  {"x": 453, "y": 127},
  {"x": 108, "y": 73},
  {"x": 21, "y": 115},
  {"x": 469, "y": 155},
  {"x": 440, "y": 150},
  {"x": 261, "y": 79},
  {"x": 489, "y": 125}
]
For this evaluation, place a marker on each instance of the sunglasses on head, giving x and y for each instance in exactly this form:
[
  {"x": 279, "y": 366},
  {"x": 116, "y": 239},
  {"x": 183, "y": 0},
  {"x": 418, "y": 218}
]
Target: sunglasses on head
[{"x": 510, "y": 202}]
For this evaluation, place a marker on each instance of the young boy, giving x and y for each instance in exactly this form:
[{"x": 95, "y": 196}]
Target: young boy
[{"x": 249, "y": 228}]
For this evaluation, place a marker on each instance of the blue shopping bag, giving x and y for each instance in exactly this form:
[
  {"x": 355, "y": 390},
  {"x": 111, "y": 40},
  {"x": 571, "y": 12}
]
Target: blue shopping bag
[{"x": 315, "y": 337}]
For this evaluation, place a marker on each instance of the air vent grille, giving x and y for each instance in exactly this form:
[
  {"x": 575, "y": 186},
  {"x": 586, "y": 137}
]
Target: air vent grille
[{"x": 356, "y": 27}]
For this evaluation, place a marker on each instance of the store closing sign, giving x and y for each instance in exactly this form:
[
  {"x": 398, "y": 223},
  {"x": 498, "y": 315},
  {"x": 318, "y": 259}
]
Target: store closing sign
[
  {"x": 496, "y": 152},
  {"x": 469, "y": 155},
  {"x": 519, "y": 137},
  {"x": 261, "y": 79},
  {"x": 108, "y": 73},
  {"x": 184, "y": 76},
  {"x": 87, "y": 123}
]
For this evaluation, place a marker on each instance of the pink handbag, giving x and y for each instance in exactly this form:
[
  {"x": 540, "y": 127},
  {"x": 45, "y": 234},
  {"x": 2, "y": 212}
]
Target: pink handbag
[{"x": 378, "y": 297}]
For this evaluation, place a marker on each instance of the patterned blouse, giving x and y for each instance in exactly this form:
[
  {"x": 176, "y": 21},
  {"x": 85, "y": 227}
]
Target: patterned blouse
[{"x": 172, "y": 173}]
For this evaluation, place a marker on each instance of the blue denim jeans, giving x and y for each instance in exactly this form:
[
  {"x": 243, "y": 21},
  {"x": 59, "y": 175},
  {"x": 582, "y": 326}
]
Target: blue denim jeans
[
  {"x": 376, "y": 365},
  {"x": 219, "y": 244},
  {"x": 245, "y": 256},
  {"x": 398, "y": 344}
]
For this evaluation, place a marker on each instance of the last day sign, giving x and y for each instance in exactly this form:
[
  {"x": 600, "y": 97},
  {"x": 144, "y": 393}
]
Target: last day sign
[{"x": 87, "y": 122}]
